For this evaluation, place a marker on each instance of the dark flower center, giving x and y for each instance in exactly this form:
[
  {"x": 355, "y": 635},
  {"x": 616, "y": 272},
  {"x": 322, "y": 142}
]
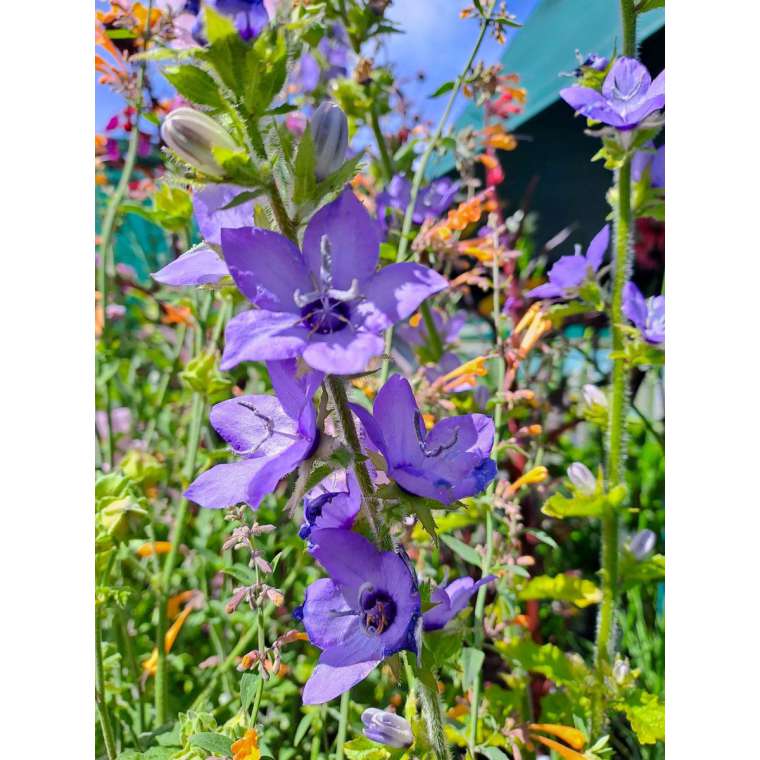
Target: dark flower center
[
  {"x": 325, "y": 315},
  {"x": 378, "y": 610}
]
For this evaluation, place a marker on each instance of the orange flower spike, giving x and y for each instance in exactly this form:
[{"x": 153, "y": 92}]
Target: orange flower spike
[
  {"x": 473, "y": 367},
  {"x": 527, "y": 318},
  {"x": 153, "y": 547},
  {"x": 564, "y": 752},
  {"x": 175, "y": 602},
  {"x": 568, "y": 734},
  {"x": 150, "y": 666},
  {"x": 247, "y": 748}
]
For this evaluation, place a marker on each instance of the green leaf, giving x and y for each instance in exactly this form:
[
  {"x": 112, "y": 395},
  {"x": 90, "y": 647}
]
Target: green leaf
[
  {"x": 120, "y": 34},
  {"x": 492, "y": 753},
  {"x": 335, "y": 182},
  {"x": 303, "y": 726},
  {"x": 194, "y": 84},
  {"x": 472, "y": 662},
  {"x": 317, "y": 475},
  {"x": 240, "y": 199},
  {"x": 543, "y": 537},
  {"x": 280, "y": 110},
  {"x": 547, "y": 659},
  {"x": 633, "y": 573},
  {"x": 467, "y": 553},
  {"x": 425, "y": 516},
  {"x": 248, "y": 684},
  {"x": 305, "y": 178},
  {"x": 444, "y": 88},
  {"x": 442, "y": 645},
  {"x": 238, "y": 167},
  {"x": 649, "y": 5},
  {"x": 646, "y": 715},
  {"x": 362, "y": 748},
  {"x": 565, "y": 588},
  {"x": 217, "y": 26},
  {"x": 217, "y": 744},
  {"x": 578, "y": 505},
  {"x": 241, "y": 573}
]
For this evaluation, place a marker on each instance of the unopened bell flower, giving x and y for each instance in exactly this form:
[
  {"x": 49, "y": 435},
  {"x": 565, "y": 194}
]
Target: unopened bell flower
[
  {"x": 648, "y": 314},
  {"x": 192, "y": 135},
  {"x": 642, "y": 544},
  {"x": 592, "y": 396},
  {"x": 387, "y": 728},
  {"x": 582, "y": 478},
  {"x": 329, "y": 128}
]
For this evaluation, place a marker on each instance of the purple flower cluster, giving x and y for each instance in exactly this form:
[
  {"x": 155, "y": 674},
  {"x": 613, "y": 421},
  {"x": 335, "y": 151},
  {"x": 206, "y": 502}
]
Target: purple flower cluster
[{"x": 431, "y": 201}]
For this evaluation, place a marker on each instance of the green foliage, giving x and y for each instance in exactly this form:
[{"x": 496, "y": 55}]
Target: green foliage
[
  {"x": 195, "y": 84},
  {"x": 202, "y": 375},
  {"x": 646, "y": 714},
  {"x": 563, "y": 588}
]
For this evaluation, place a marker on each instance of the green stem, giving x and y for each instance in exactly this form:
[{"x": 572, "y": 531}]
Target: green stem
[
  {"x": 435, "y": 344},
  {"x": 419, "y": 175},
  {"x": 345, "y": 700},
  {"x": 369, "y": 503},
  {"x": 262, "y": 648},
  {"x": 480, "y": 601},
  {"x": 101, "y": 700},
  {"x": 385, "y": 157},
  {"x": 134, "y": 670},
  {"x": 618, "y": 409},
  {"x": 432, "y": 715}
]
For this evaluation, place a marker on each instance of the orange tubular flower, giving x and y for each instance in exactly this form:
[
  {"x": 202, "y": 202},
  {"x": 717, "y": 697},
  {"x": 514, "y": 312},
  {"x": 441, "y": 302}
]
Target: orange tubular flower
[
  {"x": 153, "y": 547},
  {"x": 247, "y": 748},
  {"x": 532, "y": 477},
  {"x": 150, "y": 666},
  {"x": 568, "y": 734},
  {"x": 177, "y": 315}
]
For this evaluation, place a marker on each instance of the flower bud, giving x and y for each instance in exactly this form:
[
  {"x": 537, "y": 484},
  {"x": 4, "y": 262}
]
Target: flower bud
[
  {"x": 620, "y": 670},
  {"x": 387, "y": 728},
  {"x": 582, "y": 478},
  {"x": 191, "y": 135},
  {"x": 592, "y": 396},
  {"x": 642, "y": 544},
  {"x": 329, "y": 128}
]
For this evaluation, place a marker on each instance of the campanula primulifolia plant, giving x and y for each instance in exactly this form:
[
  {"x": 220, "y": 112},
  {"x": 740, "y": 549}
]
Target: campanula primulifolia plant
[{"x": 359, "y": 437}]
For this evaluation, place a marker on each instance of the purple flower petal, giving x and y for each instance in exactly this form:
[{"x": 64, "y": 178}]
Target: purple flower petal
[
  {"x": 627, "y": 81},
  {"x": 344, "y": 352},
  {"x": 598, "y": 247},
  {"x": 294, "y": 391},
  {"x": 396, "y": 291},
  {"x": 208, "y": 207},
  {"x": 350, "y": 559},
  {"x": 324, "y": 614},
  {"x": 224, "y": 485},
  {"x": 259, "y": 335},
  {"x": 634, "y": 305},
  {"x": 451, "y": 601},
  {"x": 199, "y": 266},
  {"x": 547, "y": 290},
  {"x": 353, "y": 241},
  {"x": 568, "y": 272},
  {"x": 329, "y": 680},
  {"x": 267, "y": 267}
]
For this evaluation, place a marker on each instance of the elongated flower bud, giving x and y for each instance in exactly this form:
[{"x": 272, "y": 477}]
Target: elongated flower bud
[
  {"x": 582, "y": 478},
  {"x": 191, "y": 135},
  {"x": 387, "y": 728},
  {"x": 642, "y": 544},
  {"x": 329, "y": 128},
  {"x": 593, "y": 396}
]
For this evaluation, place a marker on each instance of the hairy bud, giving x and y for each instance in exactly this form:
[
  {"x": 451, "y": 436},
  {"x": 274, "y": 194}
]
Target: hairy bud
[
  {"x": 192, "y": 135},
  {"x": 387, "y": 728},
  {"x": 329, "y": 128}
]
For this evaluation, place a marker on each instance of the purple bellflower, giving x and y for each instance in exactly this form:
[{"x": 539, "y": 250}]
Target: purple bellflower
[
  {"x": 385, "y": 727},
  {"x": 334, "y": 503},
  {"x": 327, "y": 303},
  {"x": 448, "y": 462},
  {"x": 628, "y": 95},
  {"x": 202, "y": 265},
  {"x": 271, "y": 434},
  {"x": 250, "y": 16},
  {"x": 451, "y": 600},
  {"x": 368, "y": 609},
  {"x": 448, "y": 328},
  {"x": 570, "y": 272},
  {"x": 431, "y": 201},
  {"x": 647, "y": 314},
  {"x": 655, "y": 161}
]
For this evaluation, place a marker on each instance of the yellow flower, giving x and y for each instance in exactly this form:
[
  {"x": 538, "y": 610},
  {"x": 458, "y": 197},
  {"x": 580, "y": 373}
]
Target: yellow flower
[
  {"x": 153, "y": 547},
  {"x": 247, "y": 748},
  {"x": 536, "y": 475}
]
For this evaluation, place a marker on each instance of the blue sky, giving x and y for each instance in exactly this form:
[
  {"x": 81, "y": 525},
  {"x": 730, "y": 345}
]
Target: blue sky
[{"x": 436, "y": 41}]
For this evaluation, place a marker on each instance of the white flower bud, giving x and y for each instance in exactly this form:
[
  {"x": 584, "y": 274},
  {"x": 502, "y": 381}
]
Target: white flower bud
[
  {"x": 582, "y": 478},
  {"x": 329, "y": 128},
  {"x": 191, "y": 135},
  {"x": 642, "y": 544},
  {"x": 620, "y": 670},
  {"x": 387, "y": 728},
  {"x": 592, "y": 396}
]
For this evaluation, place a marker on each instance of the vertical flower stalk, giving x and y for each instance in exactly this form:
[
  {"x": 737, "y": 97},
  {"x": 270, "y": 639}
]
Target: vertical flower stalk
[
  {"x": 618, "y": 406},
  {"x": 101, "y": 700}
]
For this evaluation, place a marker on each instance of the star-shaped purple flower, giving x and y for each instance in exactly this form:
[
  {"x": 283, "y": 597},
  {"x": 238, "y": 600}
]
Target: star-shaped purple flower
[
  {"x": 449, "y": 462},
  {"x": 334, "y": 503},
  {"x": 647, "y": 314},
  {"x": 451, "y": 600},
  {"x": 271, "y": 434},
  {"x": 570, "y": 272},
  {"x": 327, "y": 304},
  {"x": 368, "y": 609},
  {"x": 202, "y": 265},
  {"x": 628, "y": 95}
]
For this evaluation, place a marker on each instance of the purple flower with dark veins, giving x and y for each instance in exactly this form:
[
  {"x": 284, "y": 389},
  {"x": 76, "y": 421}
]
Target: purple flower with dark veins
[
  {"x": 628, "y": 95},
  {"x": 448, "y": 462},
  {"x": 570, "y": 272},
  {"x": 647, "y": 314},
  {"x": 271, "y": 434},
  {"x": 334, "y": 503},
  {"x": 451, "y": 600},
  {"x": 202, "y": 265},
  {"x": 368, "y": 609},
  {"x": 327, "y": 303}
]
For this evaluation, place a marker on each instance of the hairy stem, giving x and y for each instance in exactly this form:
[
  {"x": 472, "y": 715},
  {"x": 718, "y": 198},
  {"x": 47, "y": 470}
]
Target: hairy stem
[
  {"x": 419, "y": 174},
  {"x": 432, "y": 715}
]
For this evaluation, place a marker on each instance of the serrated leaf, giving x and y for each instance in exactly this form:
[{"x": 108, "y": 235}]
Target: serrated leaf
[
  {"x": 467, "y": 553},
  {"x": 280, "y": 110},
  {"x": 472, "y": 662},
  {"x": 304, "y": 167},
  {"x": 564, "y": 588},
  {"x": 646, "y": 715},
  {"x": 362, "y": 748},
  {"x": 194, "y": 84},
  {"x": 216, "y": 744},
  {"x": 248, "y": 684},
  {"x": 238, "y": 167},
  {"x": 334, "y": 182},
  {"x": 442, "y": 645},
  {"x": 317, "y": 475}
]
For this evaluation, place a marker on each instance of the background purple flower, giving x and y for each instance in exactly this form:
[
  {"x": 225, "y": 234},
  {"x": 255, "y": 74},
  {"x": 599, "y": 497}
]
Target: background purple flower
[
  {"x": 647, "y": 314},
  {"x": 570, "y": 272},
  {"x": 431, "y": 201},
  {"x": 367, "y": 610},
  {"x": 271, "y": 434},
  {"x": 628, "y": 95},
  {"x": 327, "y": 304},
  {"x": 654, "y": 160},
  {"x": 334, "y": 503},
  {"x": 449, "y": 462},
  {"x": 448, "y": 327},
  {"x": 451, "y": 600}
]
